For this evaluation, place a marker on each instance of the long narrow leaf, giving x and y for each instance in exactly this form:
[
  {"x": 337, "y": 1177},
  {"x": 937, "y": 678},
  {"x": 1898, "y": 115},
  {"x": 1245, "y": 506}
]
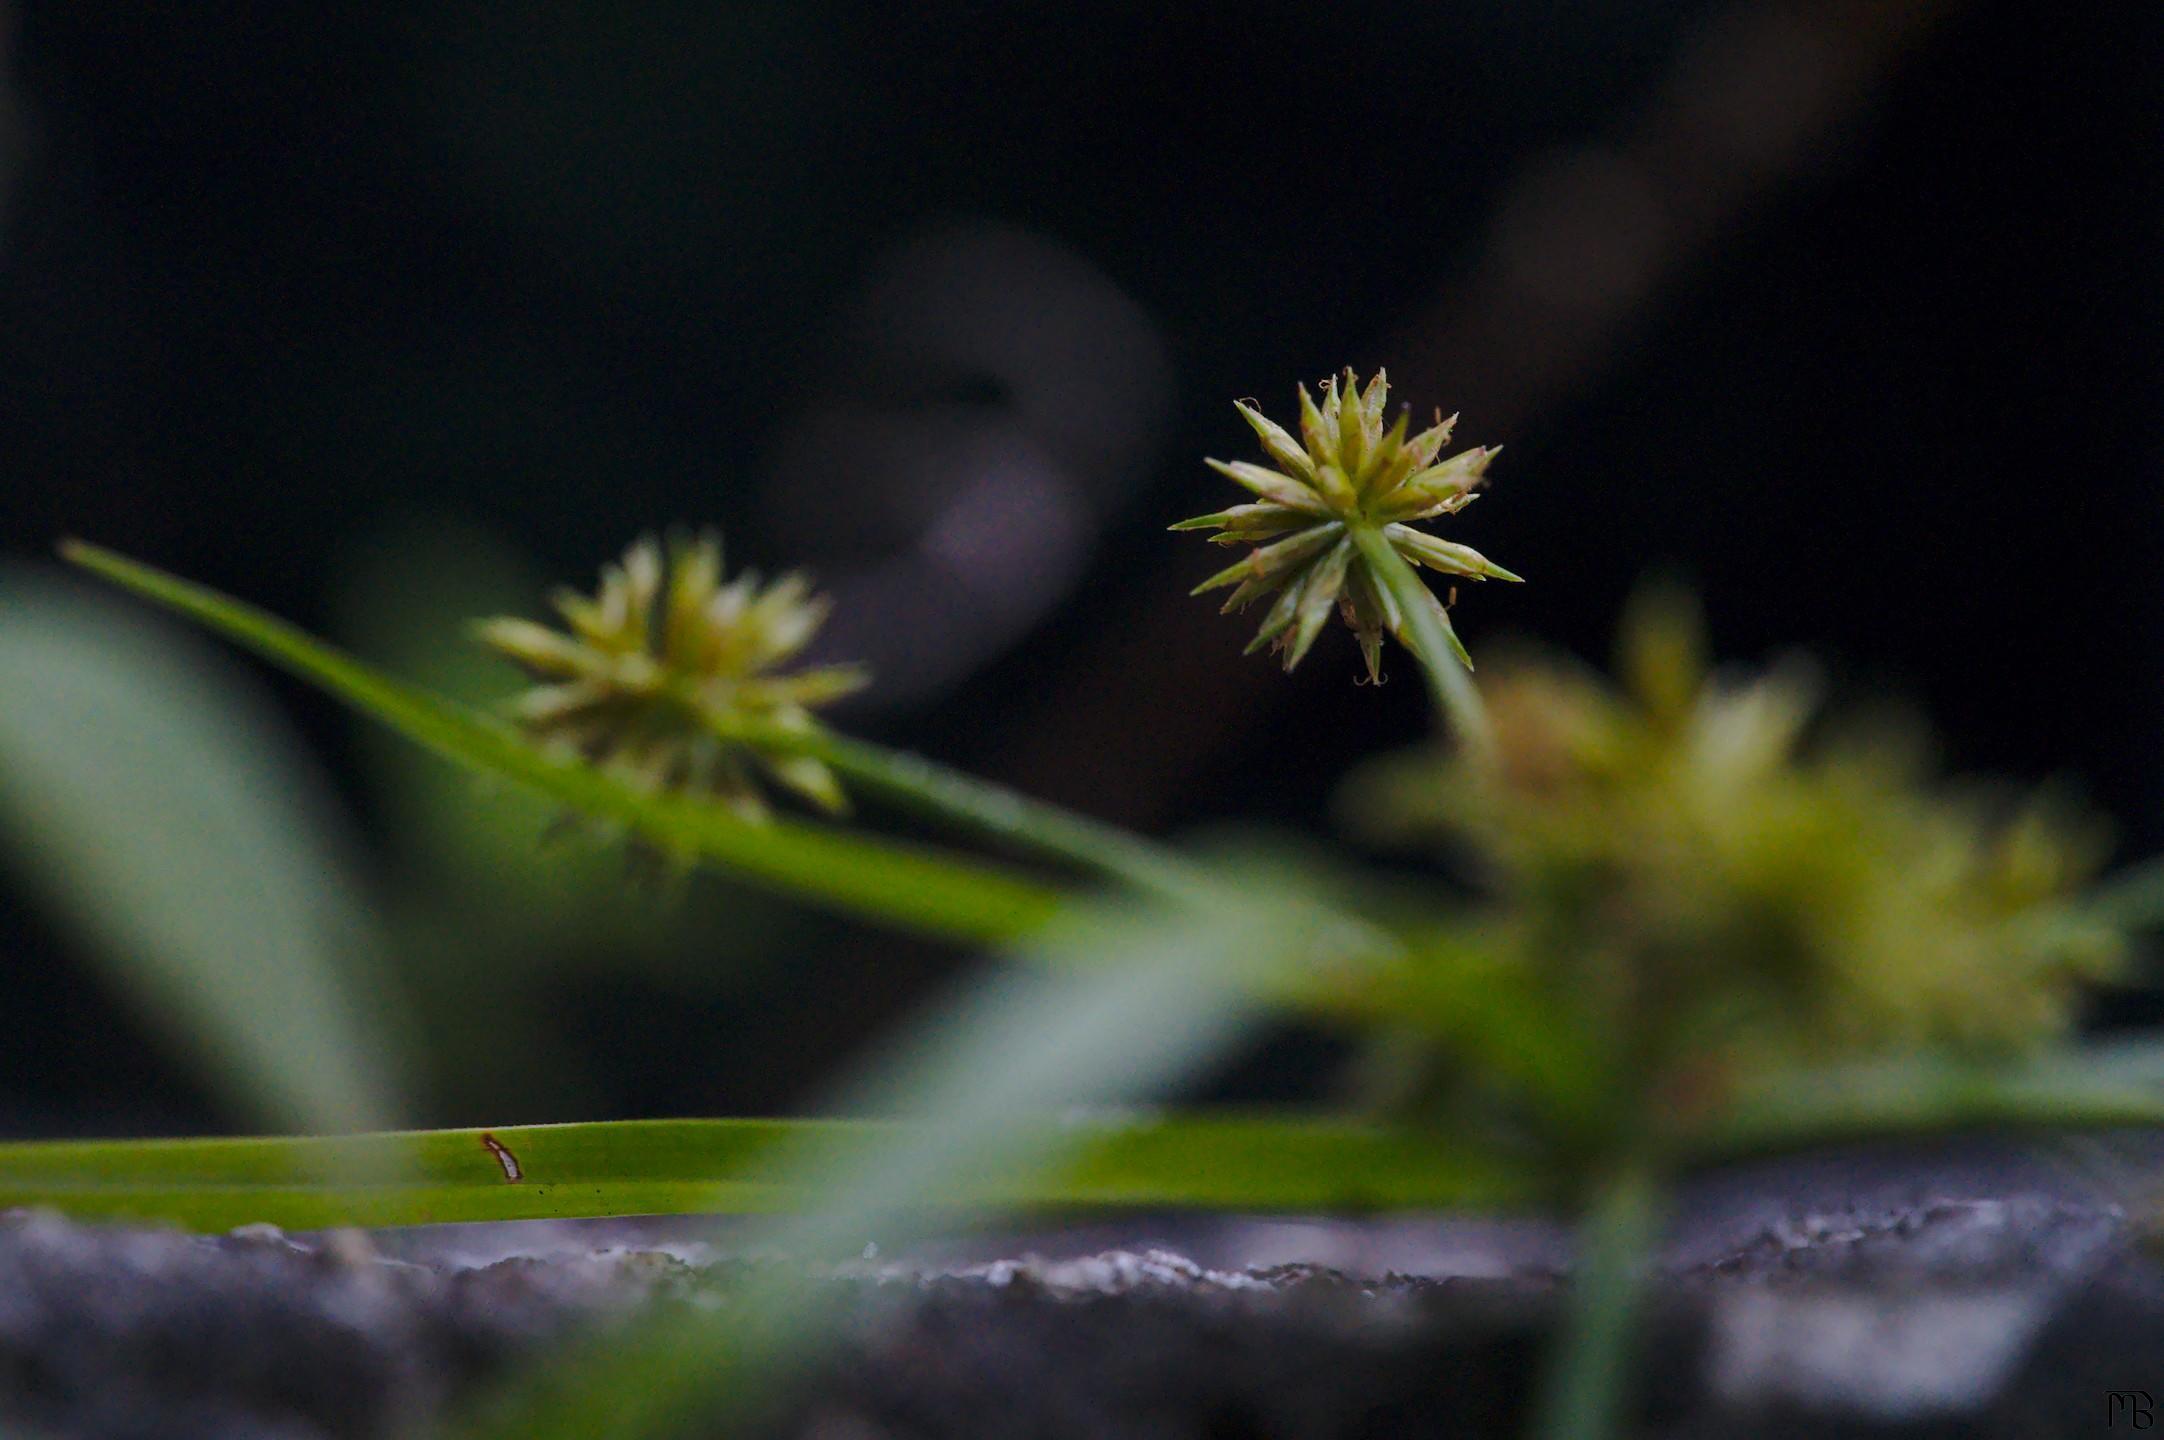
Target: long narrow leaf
[
  {"x": 2099, "y": 1087},
  {"x": 156, "y": 803},
  {"x": 741, "y": 1167},
  {"x": 902, "y": 885}
]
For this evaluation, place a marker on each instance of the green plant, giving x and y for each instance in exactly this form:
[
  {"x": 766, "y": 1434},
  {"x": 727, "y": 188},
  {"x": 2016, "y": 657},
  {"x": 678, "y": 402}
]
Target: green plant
[
  {"x": 652, "y": 682},
  {"x": 1350, "y": 476},
  {"x": 1334, "y": 527},
  {"x": 1688, "y": 942}
]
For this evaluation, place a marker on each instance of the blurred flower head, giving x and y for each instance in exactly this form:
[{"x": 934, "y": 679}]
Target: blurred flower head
[
  {"x": 1673, "y": 868},
  {"x": 1346, "y": 470},
  {"x": 667, "y": 673}
]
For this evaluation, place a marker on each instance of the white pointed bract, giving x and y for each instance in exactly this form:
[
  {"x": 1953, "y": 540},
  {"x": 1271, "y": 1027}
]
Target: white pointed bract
[
  {"x": 663, "y": 666},
  {"x": 1345, "y": 470}
]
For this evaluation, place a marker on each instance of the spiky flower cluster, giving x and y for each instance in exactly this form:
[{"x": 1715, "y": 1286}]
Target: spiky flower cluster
[
  {"x": 1350, "y": 472},
  {"x": 665, "y": 669},
  {"x": 1677, "y": 874}
]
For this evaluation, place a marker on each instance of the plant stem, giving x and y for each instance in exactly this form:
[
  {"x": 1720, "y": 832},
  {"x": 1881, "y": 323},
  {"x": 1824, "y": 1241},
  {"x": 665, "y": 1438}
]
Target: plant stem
[
  {"x": 987, "y": 811},
  {"x": 1588, "y": 1380},
  {"x": 1426, "y": 634}
]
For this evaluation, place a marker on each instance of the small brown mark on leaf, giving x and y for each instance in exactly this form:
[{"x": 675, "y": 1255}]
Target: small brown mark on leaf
[{"x": 512, "y": 1174}]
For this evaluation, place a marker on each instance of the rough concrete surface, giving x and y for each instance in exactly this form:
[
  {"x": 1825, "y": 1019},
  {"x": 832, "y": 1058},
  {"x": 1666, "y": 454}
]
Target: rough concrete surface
[{"x": 1959, "y": 1293}]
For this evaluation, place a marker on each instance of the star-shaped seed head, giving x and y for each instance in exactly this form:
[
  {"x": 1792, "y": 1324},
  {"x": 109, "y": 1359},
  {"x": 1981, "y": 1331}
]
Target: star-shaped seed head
[
  {"x": 665, "y": 667},
  {"x": 1346, "y": 470}
]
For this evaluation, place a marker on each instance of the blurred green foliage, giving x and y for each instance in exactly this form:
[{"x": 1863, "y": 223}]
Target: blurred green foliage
[
  {"x": 1682, "y": 878},
  {"x": 173, "y": 823}
]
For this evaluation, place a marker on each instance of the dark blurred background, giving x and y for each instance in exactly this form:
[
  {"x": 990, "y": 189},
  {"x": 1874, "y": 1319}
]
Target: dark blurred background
[{"x": 1847, "y": 312}]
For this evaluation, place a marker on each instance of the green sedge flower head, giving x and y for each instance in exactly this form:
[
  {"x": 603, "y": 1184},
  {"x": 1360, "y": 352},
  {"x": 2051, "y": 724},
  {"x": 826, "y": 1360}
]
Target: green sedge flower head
[
  {"x": 668, "y": 674},
  {"x": 1680, "y": 867},
  {"x": 1346, "y": 470}
]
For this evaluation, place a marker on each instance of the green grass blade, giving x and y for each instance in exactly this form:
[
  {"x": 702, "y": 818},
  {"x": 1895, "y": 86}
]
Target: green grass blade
[
  {"x": 985, "y": 811},
  {"x": 741, "y": 1167},
  {"x": 908, "y": 886},
  {"x": 2097, "y": 1087},
  {"x": 156, "y": 802}
]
